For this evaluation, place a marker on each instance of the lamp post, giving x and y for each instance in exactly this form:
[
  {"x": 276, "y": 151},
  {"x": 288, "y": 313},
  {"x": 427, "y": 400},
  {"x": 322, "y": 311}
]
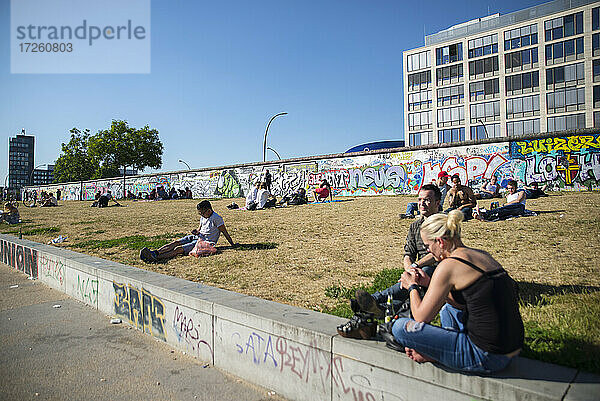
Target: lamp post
[
  {"x": 188, "y": 166},
  {"x": 484, "y": 128},
  {"x": 266, "y": 132},
  {"x": 274, "y": 151}
]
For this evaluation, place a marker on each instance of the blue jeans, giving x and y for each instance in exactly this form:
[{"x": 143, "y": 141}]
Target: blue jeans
[
  {"x": 399, "y": 295},
  {"x": 514, "y": 209},
  {"x": 449, "y": 345},
  {"x": 412, "y": 208},
  {"x": 466, "y": 211}
]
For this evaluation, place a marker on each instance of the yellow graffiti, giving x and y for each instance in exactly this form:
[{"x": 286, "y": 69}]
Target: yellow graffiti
[
  {"x": 402, "y": 155},
  {"x": 570, "y": 144},
  {"x": 571, "y": 165}
]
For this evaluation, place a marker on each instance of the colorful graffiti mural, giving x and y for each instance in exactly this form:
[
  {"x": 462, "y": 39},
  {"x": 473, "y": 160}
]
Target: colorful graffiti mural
[
  {"x": 567, "y": 163},
  {"x": 19, "y": 257},
  {"x": 142, "y": 309}
]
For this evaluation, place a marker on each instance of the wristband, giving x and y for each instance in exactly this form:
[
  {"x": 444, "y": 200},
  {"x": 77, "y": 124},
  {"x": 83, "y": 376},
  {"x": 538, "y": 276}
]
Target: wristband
[
  {"x": 414, "y": 265},
  {"x": 412, "y": 287}
]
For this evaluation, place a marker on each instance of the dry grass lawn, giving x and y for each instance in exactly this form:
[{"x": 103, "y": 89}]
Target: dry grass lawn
[{"x": 344, "y": 244}]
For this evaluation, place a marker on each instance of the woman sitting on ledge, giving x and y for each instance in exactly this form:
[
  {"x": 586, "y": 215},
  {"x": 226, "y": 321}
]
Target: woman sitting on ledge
[{"x": 481, "y": 328}]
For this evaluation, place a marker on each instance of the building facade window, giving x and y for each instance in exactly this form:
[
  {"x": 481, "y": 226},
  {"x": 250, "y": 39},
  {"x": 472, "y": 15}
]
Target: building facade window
[
  {"x": 419, "y": 100},
  {"x": 526, "y": 82},
  {"x": 523, "y": 127},
  {"x": 563, "y": 27},
  {"x": 488, "y": 111},
  {"x": 448, "y": 54},
  {"x": 418, "y": 61},
  {"x": 525, "y": 106},
  {"x": 419, "y": 81},
  {"x": 450, "y": 95},
  {"x": 595, "y": 18},
  {"x": 450, "y": 116},
  {"x": 566, "y": 75},
  {"x": 597, "y": 119},
  {"x": 521, "y": 60},
  {"x": 565, "y": 100},
  {"x": 568, "y": 122},
  {"x": 596, "y": 45},
  {"x": 520, "y": 37},
  {"x": 420, "y": 138},
  {"x": 567, "y": 50},
  {"x": 483, "y": 46},
  {"x": 483, "y": 68},
  {"x": 417, "y": 121},
  {"x": 449, "y": 75},
  {"x": 596, "y": 96},
  {"x": 596, "y": 70},
  {"x": 488, "y": 131},
  {"x": 451, "y": 135},
  {"x": 483, "y": 90}
]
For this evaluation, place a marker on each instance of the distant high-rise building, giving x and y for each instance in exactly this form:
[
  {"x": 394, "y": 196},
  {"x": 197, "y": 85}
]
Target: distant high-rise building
[
  {"x": 530, "y": 71},
  {"x": 20, "y": 160},
  {"x": 43, "y": 176}
]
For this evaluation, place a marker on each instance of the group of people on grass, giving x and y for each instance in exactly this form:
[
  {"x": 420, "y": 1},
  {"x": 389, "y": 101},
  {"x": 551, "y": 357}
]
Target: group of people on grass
[
  {"x": 481, "y": 328},
  {"x": 260, "y": 197}
]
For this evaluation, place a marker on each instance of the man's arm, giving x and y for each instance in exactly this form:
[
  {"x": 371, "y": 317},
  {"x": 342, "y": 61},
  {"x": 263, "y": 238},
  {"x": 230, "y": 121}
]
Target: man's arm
[
  {"x": 471, "y": 197},
  {"x": 223, "y": 229}
]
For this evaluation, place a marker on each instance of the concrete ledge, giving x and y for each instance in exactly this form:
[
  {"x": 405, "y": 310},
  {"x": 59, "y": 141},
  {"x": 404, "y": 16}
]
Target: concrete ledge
[{"x": 294, "y": 351}]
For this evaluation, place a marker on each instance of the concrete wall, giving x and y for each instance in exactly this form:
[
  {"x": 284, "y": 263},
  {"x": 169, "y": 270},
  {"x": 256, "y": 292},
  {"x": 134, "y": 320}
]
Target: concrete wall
[
  {"x": 564, "y": 161},
  {"x": 294, "y": 351}
]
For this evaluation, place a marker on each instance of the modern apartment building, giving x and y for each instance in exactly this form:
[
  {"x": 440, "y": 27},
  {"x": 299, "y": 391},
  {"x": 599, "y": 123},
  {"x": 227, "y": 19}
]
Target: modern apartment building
[
  {"x": 526, "y": 72},
  {"x": 43, "y": 176},
  {"x": 20, "y": 160}
]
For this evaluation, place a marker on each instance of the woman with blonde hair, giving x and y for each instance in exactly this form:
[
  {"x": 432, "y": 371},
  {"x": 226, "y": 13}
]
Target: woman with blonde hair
[{"x": 481, "y": 327}]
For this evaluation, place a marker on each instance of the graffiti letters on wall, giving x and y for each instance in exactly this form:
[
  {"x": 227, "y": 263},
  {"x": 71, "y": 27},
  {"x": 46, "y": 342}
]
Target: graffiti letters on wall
[
  {"x": 562, "y": 162},
  {"x": 571, "y": 163},
  {"x": 140, "y": 308},
  {"x": 19, "y": 257}
]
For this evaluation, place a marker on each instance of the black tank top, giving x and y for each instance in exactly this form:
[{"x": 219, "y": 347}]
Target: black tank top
[{"x": 493, "y": 321}]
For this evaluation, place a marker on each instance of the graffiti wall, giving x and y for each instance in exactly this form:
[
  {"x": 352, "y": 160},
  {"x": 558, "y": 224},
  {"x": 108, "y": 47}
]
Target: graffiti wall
[
  {"x": 565, "y": 163},
  {"x": 19, "y": 257}
]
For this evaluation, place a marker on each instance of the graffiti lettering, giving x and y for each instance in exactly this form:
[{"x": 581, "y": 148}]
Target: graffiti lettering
[
  {"x": 53, "y": 269},
  {"x": 335, "y": 178},
  {"x": 548, "y": 145},
  {"x": 187, "y": 331},
  {"x": 87, "y": 289},
  {"x": 380, "y": 178},
  {"x": 140, "y": 308},
  {"x": 19, "y": 257}
]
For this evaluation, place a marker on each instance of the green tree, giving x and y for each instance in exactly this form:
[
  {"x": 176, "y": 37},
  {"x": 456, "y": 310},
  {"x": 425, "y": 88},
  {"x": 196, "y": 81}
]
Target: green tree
[
  {"x": 75, "y": 162},
  {"x": 123, "y": 146}
]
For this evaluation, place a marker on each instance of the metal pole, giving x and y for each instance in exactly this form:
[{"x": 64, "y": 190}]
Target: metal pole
[
  {"x": 188, "y": 166},
  {"x": 266, "y": 132},
  {"x": 484, "y": 128},
  {"x": 274, "y": 151}
]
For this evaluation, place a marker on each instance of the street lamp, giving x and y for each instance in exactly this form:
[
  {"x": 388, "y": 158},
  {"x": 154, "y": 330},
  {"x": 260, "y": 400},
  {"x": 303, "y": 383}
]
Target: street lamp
[
  {"x": 266, "y": 132},
  {"x": 188, "y": 166},
  {"x": 484, "y": 128},
  {"x": 274, "y": 151}
]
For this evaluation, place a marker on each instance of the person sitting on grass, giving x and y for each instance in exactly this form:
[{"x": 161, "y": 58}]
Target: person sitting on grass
[
  {"x": 296, "y": 198},
  {"x": 49, "y": 201},
  {"x": 104, "y": 198},
  {"x": 461, "y": 197},
  {"x": 323, "y": 191},
  {"x": 264, "y": 199},
  {"x": 514, "y": 206},
  {"x": 210, "y": 227},
  {"x": 10, "y": 215},
  {"x": 534, "y": 191},
  {"x": 252, "y": 197},
  {"x": 442, "y": 183},
  {"x": 490, "y": 190},
  {"x": 481, "y": 327}
]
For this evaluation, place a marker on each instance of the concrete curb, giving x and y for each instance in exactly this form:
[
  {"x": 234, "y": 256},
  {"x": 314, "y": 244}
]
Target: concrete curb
[{"x": 294, "y": 351}]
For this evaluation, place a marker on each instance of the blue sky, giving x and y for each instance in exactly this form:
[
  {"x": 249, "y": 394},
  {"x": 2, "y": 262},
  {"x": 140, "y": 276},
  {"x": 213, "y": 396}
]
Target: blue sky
[{"x": 220, "y": 70}]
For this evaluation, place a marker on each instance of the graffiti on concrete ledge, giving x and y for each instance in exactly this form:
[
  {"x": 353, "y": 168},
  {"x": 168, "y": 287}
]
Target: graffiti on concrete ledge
[
  {"x": 142, "y": 309},
  {"x": 19, "y": 257}
]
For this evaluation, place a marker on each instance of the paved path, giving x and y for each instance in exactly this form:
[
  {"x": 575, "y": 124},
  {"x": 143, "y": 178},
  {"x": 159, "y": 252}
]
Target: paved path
[{"x": 74, "y": 353}]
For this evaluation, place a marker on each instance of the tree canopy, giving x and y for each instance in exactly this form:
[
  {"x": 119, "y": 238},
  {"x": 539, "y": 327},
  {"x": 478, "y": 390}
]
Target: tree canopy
[
  {"x": 75, "y": 162},
  {"x": 120, "y": 146}
]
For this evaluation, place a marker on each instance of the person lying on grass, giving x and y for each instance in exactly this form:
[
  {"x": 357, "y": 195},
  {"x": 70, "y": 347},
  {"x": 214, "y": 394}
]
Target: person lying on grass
[
  {"x": 481, "y": 327},
  {"x": 514, "y": 206},
  {"x": 210, "y": 228}
]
